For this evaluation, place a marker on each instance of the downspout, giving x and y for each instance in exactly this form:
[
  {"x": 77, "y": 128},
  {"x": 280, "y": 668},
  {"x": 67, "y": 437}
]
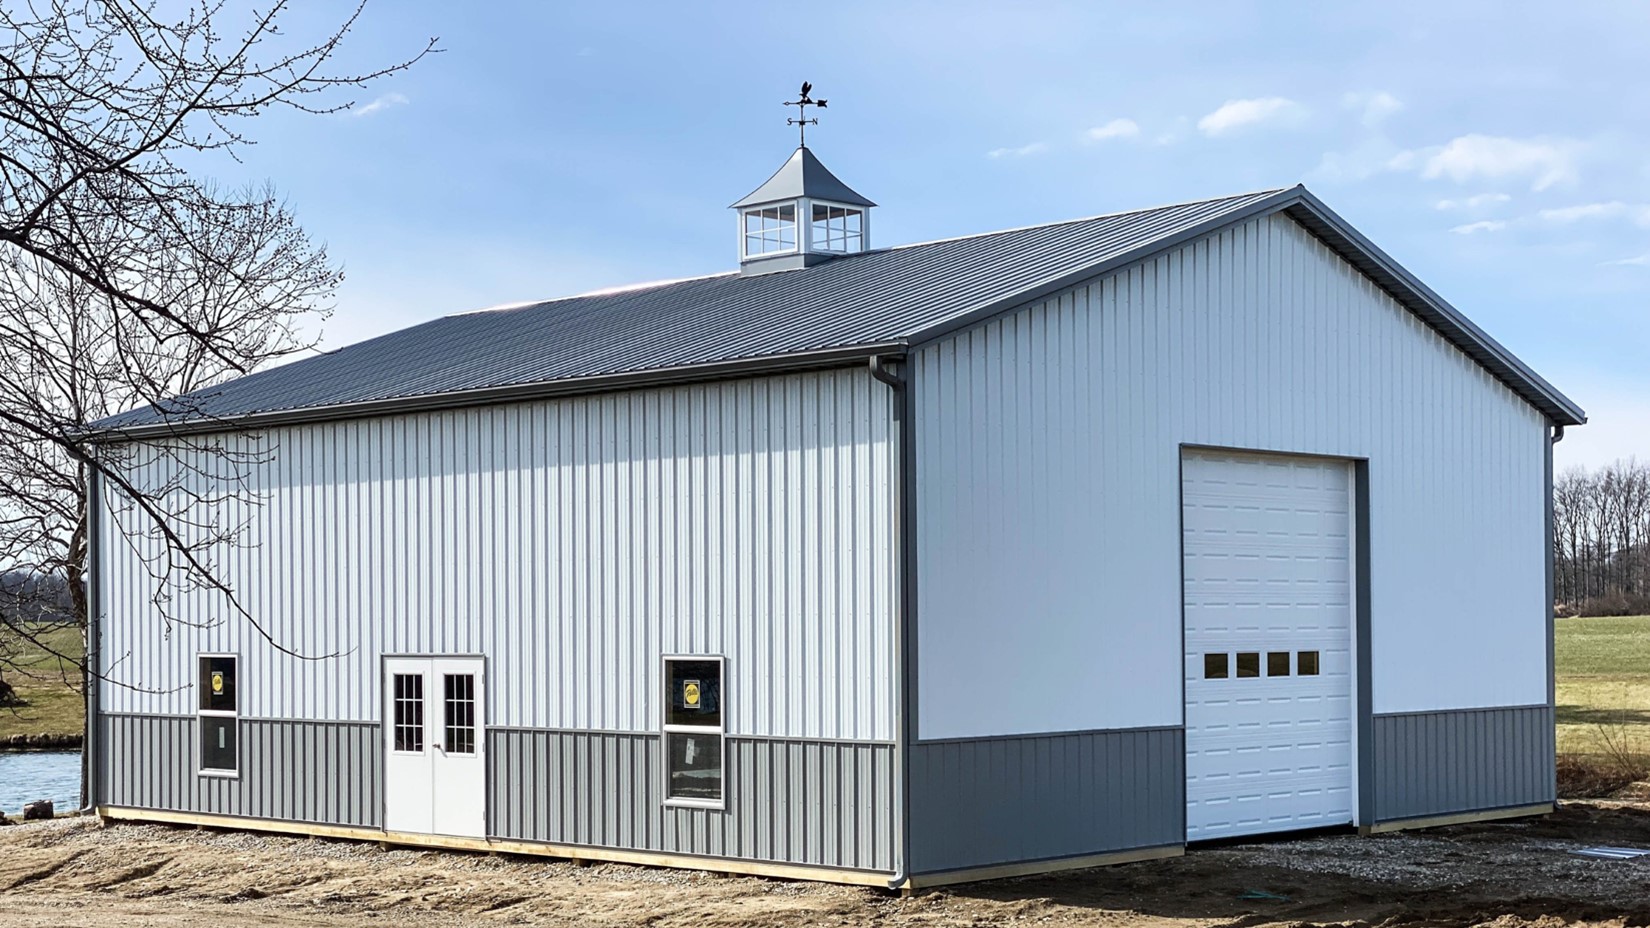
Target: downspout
[
  {"x": 902, "y": 573},
  {"x": 1550, "y": 559},
  {"x": 93, "y": 658}
]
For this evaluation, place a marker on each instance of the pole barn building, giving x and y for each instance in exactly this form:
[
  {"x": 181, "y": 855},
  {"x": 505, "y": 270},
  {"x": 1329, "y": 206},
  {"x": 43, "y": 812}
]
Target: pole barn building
[{"x": 1014, "y": 552}]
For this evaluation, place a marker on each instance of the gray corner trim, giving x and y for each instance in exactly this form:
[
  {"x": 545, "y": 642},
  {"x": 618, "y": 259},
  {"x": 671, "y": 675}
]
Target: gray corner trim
[
  {"x": 1453, "y": 761},
  {"x": 984, "y": 312},
  {"x": 988, "y": 801},
  {"x": 514, "y": 393},
  {"x": 92, "y": 660},
  {"x": 1547, "y": 559},
  {"x": 910, "y": 612},
  {"x": 1362, "y": 626},
  {"x": 903, "y": 407}
]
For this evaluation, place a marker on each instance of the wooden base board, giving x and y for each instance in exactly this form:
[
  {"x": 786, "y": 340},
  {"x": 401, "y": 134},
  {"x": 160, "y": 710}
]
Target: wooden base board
[
  {"x": 1459, "y": 818},
  {"x": 1035, "y": 867},
  {"x": 570, "y": 852}
]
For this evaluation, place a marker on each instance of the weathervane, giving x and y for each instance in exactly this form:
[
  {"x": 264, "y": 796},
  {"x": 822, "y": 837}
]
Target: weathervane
[{"x": 800, "y": 120}]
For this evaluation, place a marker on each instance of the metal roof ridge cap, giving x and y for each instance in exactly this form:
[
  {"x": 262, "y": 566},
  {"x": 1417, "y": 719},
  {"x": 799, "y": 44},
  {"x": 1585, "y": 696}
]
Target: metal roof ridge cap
[
  {"x": 1271, "y": 191},
  {"x": 616, "y": 290},
  {"x": 1427, "y": 295},
  {"x": 504, "y": 393},
  {"x": 973, "y": 315}
]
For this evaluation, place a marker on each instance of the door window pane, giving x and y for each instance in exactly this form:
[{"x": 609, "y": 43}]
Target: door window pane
[
  {"x": 409, "y": 712},
  {"x": 1215, "y": 666},
  {"x": 1248, "y": 664},
  {"x": 1277, "y": 663},
  {"x": 1306, "y": 663},
  {"x": 459, "y": 698},
  {"x": 217, "y": 742},
  {"x": 695, "y": 765}
]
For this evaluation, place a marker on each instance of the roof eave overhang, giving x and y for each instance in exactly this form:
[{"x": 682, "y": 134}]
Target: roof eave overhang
[
  {"x": 1300, "y": 205},
  {"x": 513, "y": 393}
]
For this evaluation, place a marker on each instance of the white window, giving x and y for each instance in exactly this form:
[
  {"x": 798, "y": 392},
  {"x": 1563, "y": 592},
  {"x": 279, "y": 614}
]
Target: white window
[
  {"x": 218, "y": 715},
  {"x": 693, "y": 730},
  {"x": 836, "y": 228},
  {"x": 770, "y": 230}
]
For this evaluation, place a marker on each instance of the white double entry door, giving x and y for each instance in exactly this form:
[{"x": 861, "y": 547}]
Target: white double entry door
[{"x": 435, "y": 765}]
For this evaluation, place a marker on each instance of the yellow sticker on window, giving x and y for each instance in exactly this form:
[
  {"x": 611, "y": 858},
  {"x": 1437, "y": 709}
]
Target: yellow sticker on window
[
  {"x": 217, "y": 683},
  {"x": 690, "y": 693}
]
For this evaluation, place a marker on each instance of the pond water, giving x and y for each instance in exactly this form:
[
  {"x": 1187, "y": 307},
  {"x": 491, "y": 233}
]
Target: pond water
[{"x": 29, "y": 775}]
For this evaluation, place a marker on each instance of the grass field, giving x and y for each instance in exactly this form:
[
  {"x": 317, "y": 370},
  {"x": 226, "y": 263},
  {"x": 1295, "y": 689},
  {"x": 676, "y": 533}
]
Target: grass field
[
  {"x": 54, "y": 707},
  {"x": 1603, "y": 683}
]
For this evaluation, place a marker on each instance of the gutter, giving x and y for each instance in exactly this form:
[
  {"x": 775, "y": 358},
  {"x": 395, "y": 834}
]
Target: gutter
[
  {"x": 490, "y": 396},
  {"x": 904, "y": 572}
]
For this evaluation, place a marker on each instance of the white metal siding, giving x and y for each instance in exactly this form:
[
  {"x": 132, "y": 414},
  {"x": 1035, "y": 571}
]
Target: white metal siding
[
  {"x": 1267, "y": 543},
  {"x": 571, "y": 542},
  {"x": 1048, "y": 446}
]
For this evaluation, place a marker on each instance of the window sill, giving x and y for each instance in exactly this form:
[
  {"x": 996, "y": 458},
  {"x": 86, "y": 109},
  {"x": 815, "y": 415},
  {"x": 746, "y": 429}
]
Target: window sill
[
  {"x": 219, "y": 774},
  {"x": 714, "y": 805}
]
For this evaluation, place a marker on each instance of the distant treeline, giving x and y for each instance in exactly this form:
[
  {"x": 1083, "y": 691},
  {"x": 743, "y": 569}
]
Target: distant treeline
[
  {"x": 1601, "y": 540},
  {"x": 31, "y": 597}
]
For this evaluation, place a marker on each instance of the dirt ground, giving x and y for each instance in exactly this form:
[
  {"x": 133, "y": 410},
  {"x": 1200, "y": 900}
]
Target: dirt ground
[{"x": 77, "y": 872}]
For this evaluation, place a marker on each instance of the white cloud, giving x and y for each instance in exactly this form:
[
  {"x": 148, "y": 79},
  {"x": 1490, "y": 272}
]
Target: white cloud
[
  {"x": 1236, "y": 114},
  {"x": 1376, "y": 106},
  {"x": 379, "y": 105},
  {"x": 1469, "y": 157},
  {"x": 1615, "y": 209},
  {"x": 1116, "y": 129},
  {"x": 1487, "y": 225},
  {"x": 1635, "y": 261},
  {"x": 1032, "y": 149},
  {"x": 1368, "y": 158},
  {"x": 1477, "y": 201}
]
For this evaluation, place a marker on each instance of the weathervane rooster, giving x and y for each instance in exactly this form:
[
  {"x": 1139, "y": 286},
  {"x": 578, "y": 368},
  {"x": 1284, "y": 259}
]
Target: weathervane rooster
[{"x": 800, "y": 120}]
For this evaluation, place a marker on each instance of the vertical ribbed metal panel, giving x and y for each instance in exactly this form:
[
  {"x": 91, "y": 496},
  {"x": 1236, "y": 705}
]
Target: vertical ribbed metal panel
[
  {"x": 1048, "y": 445},
  {"x": 980, "y": 802},
  {"x": 1437, "y": 763},
  {"x": 572, "y": 542},
  {"x": 823, "y": 803},
  {"x": 323, "y": 772}
]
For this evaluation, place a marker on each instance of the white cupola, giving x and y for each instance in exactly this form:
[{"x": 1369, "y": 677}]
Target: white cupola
[{"x": 802, "y": 215}]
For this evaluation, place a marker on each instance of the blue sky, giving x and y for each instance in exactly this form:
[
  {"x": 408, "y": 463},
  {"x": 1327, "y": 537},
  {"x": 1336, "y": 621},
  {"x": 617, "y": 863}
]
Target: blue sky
[{"x": 1501, "y": 151}]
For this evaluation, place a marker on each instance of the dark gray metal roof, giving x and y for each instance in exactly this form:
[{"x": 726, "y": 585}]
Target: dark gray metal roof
[
  {"x": 803, "y": 176},
  {"x": 880, "y": 301}
]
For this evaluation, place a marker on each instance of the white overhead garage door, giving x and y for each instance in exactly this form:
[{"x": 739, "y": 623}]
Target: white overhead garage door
[{"x": 1268, "y": 611}]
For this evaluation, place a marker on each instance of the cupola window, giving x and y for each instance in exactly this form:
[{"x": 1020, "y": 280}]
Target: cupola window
[
  {"x": 770, "y": 230},
  {"x": 837, "y": 228}
]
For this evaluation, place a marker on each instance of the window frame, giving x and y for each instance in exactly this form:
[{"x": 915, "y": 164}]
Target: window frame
[
  {"x": 423, "y": 725},
  {"x": 761, "y": 233},
  {"x": 666, "y": 729},
  {"x": 822, "y": 244},
  {"x": 233, "y": 715}
]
